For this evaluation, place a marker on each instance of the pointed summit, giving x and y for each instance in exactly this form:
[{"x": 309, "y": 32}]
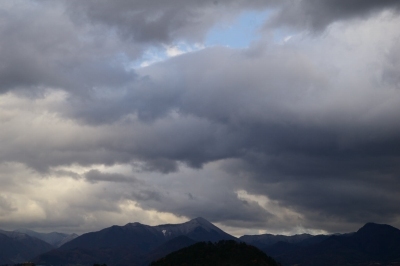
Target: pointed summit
[
  {"x": 202, "y": 222},
  {"x": 198, "y": 229},
  {"x": 132, "y": 224}
]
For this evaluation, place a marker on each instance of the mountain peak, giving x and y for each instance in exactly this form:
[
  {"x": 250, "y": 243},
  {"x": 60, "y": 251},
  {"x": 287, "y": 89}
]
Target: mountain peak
[
  {"x": 132, "y": 224},
  {"x": 138, "y": 239},
  {"x": 372, "y": 229},
  {"x": 374, "y": 226},
  {"x": 201, "y": 221}
]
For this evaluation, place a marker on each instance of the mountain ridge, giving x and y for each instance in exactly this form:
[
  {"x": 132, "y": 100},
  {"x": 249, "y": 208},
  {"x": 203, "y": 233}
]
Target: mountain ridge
[
  {"x": 372, "y": 243},
  {"x": 16, "y": 247},
  {"x": 56, "y": 239},
  {"x": 140, "y": 244},
  {"x": 133, "y": 241}
]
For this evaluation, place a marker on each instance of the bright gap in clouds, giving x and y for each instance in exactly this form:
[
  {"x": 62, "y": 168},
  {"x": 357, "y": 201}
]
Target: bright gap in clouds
[
  {"x": 159, "y": 54},
  {"x": 240, "y": 33}
]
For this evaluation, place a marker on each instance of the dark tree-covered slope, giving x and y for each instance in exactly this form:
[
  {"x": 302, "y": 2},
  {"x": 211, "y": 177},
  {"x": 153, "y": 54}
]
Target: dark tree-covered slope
[{"x": 223, "y": 253}]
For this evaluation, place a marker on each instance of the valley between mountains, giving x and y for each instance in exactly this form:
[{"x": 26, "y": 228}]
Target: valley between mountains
[{"x": 140, "y": 244}]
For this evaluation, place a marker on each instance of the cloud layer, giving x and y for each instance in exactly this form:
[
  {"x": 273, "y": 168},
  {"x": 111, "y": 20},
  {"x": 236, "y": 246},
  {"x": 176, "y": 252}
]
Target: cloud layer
[{"x": 295, "y": 133}]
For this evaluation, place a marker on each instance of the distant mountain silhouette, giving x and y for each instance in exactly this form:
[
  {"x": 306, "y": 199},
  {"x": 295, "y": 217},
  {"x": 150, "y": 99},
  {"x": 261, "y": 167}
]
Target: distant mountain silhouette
[
  {"x": 265, "y": 240},
  {"x": 132, "y": 243},
  {"x": 223, "y": 253},
  {"x": 198, "y": 229},
  {"x": 55, "y": 239},
  {"x": 139, "y": 244},
  {"x": 16, "y": 247},
  {"x": 373, "y": 243}
]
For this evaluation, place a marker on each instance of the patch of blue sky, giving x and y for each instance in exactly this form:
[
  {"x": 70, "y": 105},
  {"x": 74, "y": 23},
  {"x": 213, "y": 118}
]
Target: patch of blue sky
[{"x": 239, "y": 34}]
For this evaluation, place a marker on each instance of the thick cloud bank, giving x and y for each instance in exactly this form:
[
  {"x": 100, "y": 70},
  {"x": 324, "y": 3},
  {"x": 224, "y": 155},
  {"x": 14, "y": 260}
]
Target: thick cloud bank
[{"x": 295, "y": 133}]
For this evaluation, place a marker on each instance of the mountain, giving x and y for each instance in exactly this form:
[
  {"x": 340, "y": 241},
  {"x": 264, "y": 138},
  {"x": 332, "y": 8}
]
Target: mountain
[
  {"x": 146, "y": 236},
  {"x": 373, "y": 244},
  {"x": 198, "y": 229},
  {"x": 265, "y": 240},
  {"x": 55, "y": 239},
  {"x": 132, "y": 243},
  {"x": 139, "y": 244},
  {"x": 222, "y": 253},
  {"x": 16, "y": 247}
]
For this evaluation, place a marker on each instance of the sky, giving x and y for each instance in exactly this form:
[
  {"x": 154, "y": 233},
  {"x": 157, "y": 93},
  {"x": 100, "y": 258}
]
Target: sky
[{"x": 260, "y": 116}]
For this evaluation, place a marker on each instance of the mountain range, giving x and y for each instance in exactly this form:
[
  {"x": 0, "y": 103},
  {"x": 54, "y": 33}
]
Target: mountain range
[
  {"x": 16, "y": 247},
  {"x": 22, "y": 245},
  {"x": 373, "y": 244},
  {"x": 140, "y": 244},
  {"x": 55, "y": 239},
  {"x": 133, "y": 243}
]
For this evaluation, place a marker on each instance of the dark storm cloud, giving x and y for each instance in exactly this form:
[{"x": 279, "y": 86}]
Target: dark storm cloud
[
  {"x": 161, "y": 21},
  {"x": 350, "y": 189},
  {"x": 317, "y": 14},
  {"x": 41, "y": 48},
  {"x": 162, "y": 165},
  {"x": 226, "y": 206},
  {"x": 94, "y": 176},
  {"x": 84, "y": 49},
  {"x": 310, "y": 125},
  {"x": 216, "y": 118},
  {"x": 339, "y": 163},
  {"x": 275, "y": 113}
]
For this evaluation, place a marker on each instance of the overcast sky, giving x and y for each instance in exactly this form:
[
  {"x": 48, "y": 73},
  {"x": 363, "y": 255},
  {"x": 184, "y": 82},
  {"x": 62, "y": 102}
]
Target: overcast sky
[{"x": 263, "y": 116}]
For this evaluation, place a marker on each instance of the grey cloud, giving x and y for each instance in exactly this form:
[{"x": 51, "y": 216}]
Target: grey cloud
[
  {"x": 390, "y": 75},
  {"x": 349, "y": 189},
  {"x": 317, "y": 15},
  {"x": 71, "y": 174},
  {"x": 336, "y": 163},
  {"x": 190, "y": 196},
  {"x": 162, "y": 165},
  {"x": 226, "y": 206},
  {"x": 217, "y": 118},
  {"x": 160, "y": 21},
  {"x": 146, "y": 195},
  {"x": 6, "y": 206},
  {"x": 41, "y": 48},
  {"x": 94, "y": 176},
  {"x": 275, "y": 113},
  {"x": 315, "y": 131}
]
